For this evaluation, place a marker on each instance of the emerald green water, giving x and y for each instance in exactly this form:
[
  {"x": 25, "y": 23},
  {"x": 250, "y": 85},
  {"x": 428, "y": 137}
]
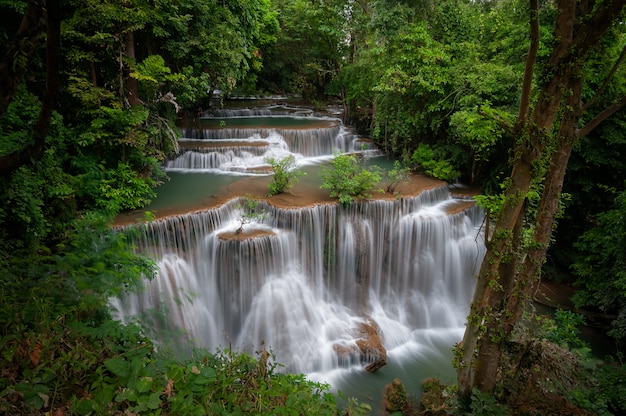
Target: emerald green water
[{"x": 191, "y": 189}]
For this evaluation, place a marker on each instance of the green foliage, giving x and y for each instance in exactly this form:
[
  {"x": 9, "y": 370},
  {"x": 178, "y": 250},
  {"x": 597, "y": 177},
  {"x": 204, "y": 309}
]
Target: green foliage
[
  {"x": 564, "y": 329},
  {"x": 16, "y": 123},
  {"x": 349, "y": 179},
  {"x": 122, "y": 189},
  {"x": 484, "y": 404},
  {"x": 36, "y": 203},
  {"x": 606, "y": 394},
  {"x": 310, "y": 48},
  {"x": 446, "y": 74},
  {"x": 601, "y": 266},
  {"x": 225, "y": 383},
  {"x": 56, "y": 324},
  {"x": 216, "y": 45},
  {"x": 480, "y": 131},
  {"x": 425, "y": 159},
  {"x": 285, "y": 175}
]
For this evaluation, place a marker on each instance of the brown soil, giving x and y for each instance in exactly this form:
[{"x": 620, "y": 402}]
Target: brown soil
[
  {"x": 553, "y": 294},
  {"x": 459, "y": 206},
  {"x": 222, "y": 143},
  {"x": 300, "y": 196},
  {"x": 244, "y": 235}
]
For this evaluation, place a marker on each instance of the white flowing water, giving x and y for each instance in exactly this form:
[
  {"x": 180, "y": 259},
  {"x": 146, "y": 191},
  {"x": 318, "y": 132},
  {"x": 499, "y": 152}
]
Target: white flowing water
[{"x": 302, "y": 281}]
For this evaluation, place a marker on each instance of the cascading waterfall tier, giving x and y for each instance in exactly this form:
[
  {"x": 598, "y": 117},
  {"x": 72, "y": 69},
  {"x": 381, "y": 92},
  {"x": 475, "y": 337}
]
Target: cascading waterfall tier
[
  {"x": 308, "y": 283},
  {"x": 246, "y": 143},
  {"x": 272, "y": 110}
]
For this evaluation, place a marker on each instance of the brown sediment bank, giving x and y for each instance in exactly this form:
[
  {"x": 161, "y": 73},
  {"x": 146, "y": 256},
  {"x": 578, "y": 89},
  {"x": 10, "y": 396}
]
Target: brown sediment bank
[{"x": 300, "y": 196}]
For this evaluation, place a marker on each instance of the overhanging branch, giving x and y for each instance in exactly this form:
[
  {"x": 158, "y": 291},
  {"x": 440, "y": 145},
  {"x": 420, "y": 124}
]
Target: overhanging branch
[
  {"x": 607, "y": 79},
  {"x": 524, "y": 105},
  {"x": 603, "y": 115}
]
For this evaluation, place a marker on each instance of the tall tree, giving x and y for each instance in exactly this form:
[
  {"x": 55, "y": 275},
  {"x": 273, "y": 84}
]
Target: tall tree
[
  {"x": 309, "y": 53},
  {"x": 39, "y": 15},
  {"x": 545, "y": 130}
]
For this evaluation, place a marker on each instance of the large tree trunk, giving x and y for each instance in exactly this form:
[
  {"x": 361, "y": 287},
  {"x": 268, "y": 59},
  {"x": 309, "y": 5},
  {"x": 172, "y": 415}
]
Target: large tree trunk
[
  {"x": 132, "y": 87},
  {"x": 507, "y": 272}
]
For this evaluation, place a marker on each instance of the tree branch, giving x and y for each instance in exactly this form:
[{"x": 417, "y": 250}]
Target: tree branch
[
  {"x": 589, "y": 29},
  {"x": 603, "y": 115},
  {"x": 524, "y": 105},
  {"x": 606, "y": 80}
]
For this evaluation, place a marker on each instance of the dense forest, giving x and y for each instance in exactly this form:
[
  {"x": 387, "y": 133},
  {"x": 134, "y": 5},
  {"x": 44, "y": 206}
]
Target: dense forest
[{"x": 523, "y": 100}]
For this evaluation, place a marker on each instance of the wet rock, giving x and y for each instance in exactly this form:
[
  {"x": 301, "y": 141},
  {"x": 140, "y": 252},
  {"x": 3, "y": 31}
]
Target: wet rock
[
  {"x": 376, "y": 365},
  {"x": 395, "y": 398},
  {"x": 370, "y": 344},
  {"x": 368, "y": 347},
  {"x": 433, "y": 402}
]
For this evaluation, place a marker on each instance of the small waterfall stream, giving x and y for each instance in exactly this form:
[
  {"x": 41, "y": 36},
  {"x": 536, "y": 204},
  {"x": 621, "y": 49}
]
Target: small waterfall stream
[{"x": 305, "y": 282}]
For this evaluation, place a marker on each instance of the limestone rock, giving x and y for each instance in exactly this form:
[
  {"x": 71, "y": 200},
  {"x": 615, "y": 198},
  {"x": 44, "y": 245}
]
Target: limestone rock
[
  {"x": 395, "y": 397},
  {"x": 370, "y": 344}
]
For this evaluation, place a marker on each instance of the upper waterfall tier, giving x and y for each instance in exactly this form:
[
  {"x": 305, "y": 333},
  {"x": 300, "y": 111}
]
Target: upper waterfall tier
[
  {"x": 244, "y": 144},
  {"x": 272, "y": 110}
]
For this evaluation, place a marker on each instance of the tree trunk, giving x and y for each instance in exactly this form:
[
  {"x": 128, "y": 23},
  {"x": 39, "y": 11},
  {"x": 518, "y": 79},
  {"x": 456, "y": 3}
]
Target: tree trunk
[
  {"x": 519, "y": 291},
  {"x": 499, "y": 249},
  {"x": 507, "y": 273},
  {"x": 17, "y": 58},
  {"x": 34, "y": 151},
  {"x": 132, "y": 88}
]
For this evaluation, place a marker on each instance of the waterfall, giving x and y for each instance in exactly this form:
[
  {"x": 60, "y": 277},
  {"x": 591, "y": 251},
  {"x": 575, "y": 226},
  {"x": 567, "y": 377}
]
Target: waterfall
[
  {"x": 246, "y": 143},
  {"x": 303, "y": 281},
  {"x": 261, "y": 111},
  {"x": 328, "y": 289}
]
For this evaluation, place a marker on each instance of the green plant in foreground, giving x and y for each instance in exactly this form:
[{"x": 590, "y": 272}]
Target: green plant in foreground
[
  {"x": 225, "y": 383},
  {"x": 349, "y": 179},
  {"x": 284, "y": 176}
]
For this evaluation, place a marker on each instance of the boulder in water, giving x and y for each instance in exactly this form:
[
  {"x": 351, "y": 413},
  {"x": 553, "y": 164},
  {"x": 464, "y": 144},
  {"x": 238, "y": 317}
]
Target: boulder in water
[
  {"x": 371, "y": 346},
  {"x": 395, "y": 397}
]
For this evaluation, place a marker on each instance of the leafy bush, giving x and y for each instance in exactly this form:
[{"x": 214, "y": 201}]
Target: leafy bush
[
  {"x": 349, "y": 179},
  {"x": 607, "y": 394},
  {"x": 484, "y": 404},
  {"x": 284, "y": 176},
  {"x": 123, "y": 189},
  {"x": 564, "y": 329},
  {"x": 600, "y": 266},
  {"x": 225, "y": 383},
  {"x": 56, "y": 325},
  {"x": 426, "y": 160}
]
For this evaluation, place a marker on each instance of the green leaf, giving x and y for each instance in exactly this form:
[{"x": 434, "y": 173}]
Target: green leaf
[
  {"x": 144, "y": 384},
  {"x": 105, "y": 395},
  {"x": 154, "y": 401},
  {"x": 118, "y": 366},
  {"x": 84, "y": 406}
]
